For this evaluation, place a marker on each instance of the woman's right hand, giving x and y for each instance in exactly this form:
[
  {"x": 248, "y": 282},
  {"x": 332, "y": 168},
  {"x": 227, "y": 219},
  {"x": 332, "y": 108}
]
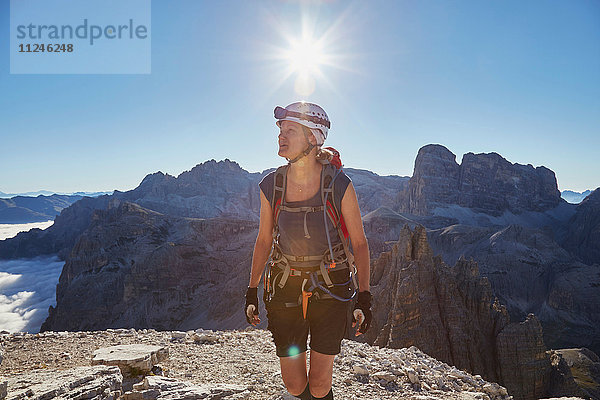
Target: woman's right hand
[{"x": 251, "y": 307}]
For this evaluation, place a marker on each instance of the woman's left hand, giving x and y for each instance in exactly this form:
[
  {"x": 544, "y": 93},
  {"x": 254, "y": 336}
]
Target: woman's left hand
[{"x": 362, "y": 316}]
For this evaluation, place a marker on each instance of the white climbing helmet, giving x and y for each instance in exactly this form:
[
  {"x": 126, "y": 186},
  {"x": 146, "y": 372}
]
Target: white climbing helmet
[{"x": 307, "y": 114}]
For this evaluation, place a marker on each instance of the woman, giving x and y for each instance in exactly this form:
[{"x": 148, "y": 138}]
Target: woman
[{"x": 309, "y": 285}]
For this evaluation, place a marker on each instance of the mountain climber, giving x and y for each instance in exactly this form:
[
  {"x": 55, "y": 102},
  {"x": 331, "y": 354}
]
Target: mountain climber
[{"x": 309, "y": 218}]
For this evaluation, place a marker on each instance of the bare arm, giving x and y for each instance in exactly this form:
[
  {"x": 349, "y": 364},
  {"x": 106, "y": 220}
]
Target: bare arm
[
  {"x": 262, "y": 247},
  {"x": 351, "y": 213}
]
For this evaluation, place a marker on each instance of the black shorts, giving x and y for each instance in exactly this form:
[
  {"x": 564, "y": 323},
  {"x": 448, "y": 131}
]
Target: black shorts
[{"x": 327, "y": 321}]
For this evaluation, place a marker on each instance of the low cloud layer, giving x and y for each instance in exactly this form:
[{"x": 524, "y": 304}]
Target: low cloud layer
[
  {"x": 27, "y": 289},
  {"x": 11, "y": 230}
]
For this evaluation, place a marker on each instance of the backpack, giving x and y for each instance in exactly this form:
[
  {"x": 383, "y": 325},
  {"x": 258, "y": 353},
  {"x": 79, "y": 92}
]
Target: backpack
[{"x": 338, "y": 257}]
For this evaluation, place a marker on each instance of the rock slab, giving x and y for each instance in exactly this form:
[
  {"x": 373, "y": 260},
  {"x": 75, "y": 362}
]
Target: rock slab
[
  {"x": 96, "y": 382},
  {"x": 163, "y": 388},
  {"x": 132, "y": 359}
]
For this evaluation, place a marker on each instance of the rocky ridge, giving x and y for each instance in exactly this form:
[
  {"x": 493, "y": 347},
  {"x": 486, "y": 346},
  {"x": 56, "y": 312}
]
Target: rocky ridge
[
  {"x": 209, "y": 190},
  {"x": 221, "y": 365},
  {"x": 102, "y": 248}
]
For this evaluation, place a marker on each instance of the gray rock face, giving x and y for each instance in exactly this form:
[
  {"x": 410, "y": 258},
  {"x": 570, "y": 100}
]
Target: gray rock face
[
  {"x": 451, "y": 314},
  {"x": 374, "y": 191},
  {"x": 483, "y": 182},
  {"x": 138, "y": 268},
  {"x": 382, "y": 228},
  {"x": 562, "y": 380},
  {"x": 98, "y": 382},
  {"x": 211, "y": 189},
  {"x": 525, "y": 366},
  {"x": 531, "y": 273}
]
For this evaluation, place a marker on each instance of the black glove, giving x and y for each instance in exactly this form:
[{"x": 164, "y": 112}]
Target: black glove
[
  {"x": 363, "y": 305},
  {"x": 251, "y": 299}
]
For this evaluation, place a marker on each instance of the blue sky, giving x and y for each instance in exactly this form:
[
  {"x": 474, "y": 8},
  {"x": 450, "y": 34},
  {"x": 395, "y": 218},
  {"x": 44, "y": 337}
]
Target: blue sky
[{"x": 518, "y": 78}]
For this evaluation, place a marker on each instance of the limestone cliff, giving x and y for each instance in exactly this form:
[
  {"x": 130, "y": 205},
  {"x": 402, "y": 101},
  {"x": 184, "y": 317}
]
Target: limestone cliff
[
  {"x": 451, "y": 314},
  {"x": 531, "y": 273},
  {"x": 211, "y": 189},
  {"x": 483, "y": 182},
  {"x": 134, "y": 267}
]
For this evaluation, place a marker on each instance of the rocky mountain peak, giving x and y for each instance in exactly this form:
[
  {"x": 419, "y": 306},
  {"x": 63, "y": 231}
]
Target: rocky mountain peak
[
  {"x": 485, "y": 182},
  {"x": 215, "y": 167},
  {"x": 412, "y": 246},
  {"x": 156, "y": 178},
  {"x": 435, "y": 151}
]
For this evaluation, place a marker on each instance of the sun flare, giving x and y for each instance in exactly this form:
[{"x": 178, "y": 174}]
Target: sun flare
[
  {"x": 305, "y": 56},
  {"x": 308, "y": 57}
]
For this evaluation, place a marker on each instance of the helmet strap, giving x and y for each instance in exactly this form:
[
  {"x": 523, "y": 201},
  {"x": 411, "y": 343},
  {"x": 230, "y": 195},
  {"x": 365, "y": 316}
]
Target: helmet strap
[
  {"x": 306, "y": 151},
  {"x": 303, "y": 154}
]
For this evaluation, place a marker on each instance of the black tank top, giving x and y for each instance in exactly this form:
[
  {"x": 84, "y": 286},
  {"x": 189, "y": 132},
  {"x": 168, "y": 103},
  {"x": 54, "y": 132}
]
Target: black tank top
[{"x": 291, "y": 224}]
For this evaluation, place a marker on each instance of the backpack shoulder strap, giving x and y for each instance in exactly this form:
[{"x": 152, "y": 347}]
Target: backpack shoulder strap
[
  {"x": 279, "y": 186},
  {"x": 327, "y": 182},
  {"x": 328, "y": 195}
]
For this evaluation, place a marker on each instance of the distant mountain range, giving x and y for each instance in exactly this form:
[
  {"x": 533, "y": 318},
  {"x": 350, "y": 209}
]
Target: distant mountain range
[
  {"x": 24, "y": 209},
  {"x": 50, "y": 193},
  {"x": 44, "y": 205},
  {"x": 574, "y": 197}
]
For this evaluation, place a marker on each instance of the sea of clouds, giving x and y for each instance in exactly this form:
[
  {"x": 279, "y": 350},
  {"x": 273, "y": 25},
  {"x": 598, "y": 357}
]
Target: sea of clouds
[
  {"x": 27, "y": 286},
  {"x": 11, "y": 230}
]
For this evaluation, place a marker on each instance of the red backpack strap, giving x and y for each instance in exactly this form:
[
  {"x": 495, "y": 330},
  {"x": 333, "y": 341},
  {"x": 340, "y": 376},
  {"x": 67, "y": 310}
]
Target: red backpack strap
[
  {"x": 336, "y": 219},
  {"x": 334, "y": 213}
]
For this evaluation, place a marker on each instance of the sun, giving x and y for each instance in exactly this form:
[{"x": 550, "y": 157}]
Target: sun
[
  {"x": 309, "y": 55},
  {"x": 305, "y": 56}
]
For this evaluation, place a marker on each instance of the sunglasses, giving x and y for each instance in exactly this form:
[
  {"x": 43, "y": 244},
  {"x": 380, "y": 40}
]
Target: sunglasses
[{"x": 281, "y": 113}]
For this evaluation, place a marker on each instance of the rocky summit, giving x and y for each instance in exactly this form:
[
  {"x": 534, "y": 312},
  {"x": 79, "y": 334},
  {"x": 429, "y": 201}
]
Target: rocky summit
[
  {"x": 484, "y": 182},
  {"x": 227, "y": 365}
]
